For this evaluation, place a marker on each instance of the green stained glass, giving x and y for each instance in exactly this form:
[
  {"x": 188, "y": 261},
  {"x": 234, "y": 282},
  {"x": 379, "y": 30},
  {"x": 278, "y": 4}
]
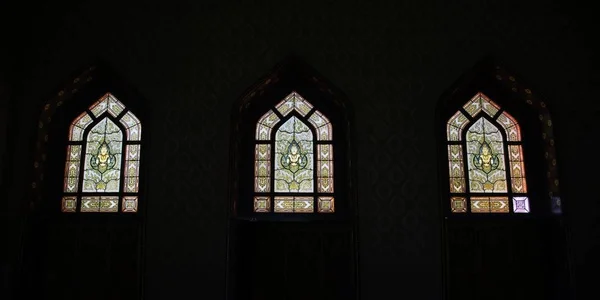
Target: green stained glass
[
  {"x": 485, "y": 153},
  {"x": 102, "y": 168},
  {"x": 294, "y": 157}
]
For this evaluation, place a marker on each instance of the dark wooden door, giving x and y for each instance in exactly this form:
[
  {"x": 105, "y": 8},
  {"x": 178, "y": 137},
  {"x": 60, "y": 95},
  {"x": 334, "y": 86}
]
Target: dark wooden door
[
  {"x": 287, "y": 261},
  {"x": 505, "y": 259},
  {"x": 83, "y": 256}
]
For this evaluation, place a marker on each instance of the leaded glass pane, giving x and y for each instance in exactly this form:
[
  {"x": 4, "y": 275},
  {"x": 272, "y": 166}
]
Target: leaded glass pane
[
  {"x": 102, "y": 167},
  {"x": 521, "y": 204},
  {"x": 455, "y": 126},
  {"x": 294, "y": 157},
  {"x": 265, "y": 125},
  {"x": 485, "y": 154}
]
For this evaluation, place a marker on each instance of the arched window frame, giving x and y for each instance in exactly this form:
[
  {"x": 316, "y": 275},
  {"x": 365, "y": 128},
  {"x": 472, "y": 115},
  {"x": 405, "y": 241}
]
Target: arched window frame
[
  {"x": 490, "y": 79},
  {"x": 292, "y": 77},
  {"x": 513, "y": 195},
  {"x": 72, "y": 100},
  {"x": 321, "y": 196},
  {"x": 127, "y": 159}
]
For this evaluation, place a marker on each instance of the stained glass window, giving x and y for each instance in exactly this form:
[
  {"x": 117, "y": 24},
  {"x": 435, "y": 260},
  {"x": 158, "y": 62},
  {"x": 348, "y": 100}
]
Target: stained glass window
[
  {"x": 103, "y": 157},
  {"x": 485, "y": 156},
  {"x": 293, "y": 159}
]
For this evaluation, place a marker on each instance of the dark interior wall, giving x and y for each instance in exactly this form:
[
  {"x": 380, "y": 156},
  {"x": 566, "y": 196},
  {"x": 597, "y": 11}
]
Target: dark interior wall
[
  {"x": 3, "y": 125},
  {"x": 5, "y": 65},
  {"x": 394, "y": 59},
  {"x": 3, "y": 147},
  {"x": 9, "y": 230}
]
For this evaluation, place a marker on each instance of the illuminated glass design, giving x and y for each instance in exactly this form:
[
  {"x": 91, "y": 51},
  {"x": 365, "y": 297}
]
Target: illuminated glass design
[
  {"x": 485, "y": 160},
  {"x": 293, "y": 159},
  {"x": 103, "y": 159}
]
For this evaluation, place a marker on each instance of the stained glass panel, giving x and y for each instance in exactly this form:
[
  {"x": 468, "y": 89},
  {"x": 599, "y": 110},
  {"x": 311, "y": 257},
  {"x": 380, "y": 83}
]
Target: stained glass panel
[
  {"x": 132, "y": 168},
  {"x": 302, "y": 106},
  {"x": 262, "y": 168},
  {"x": 499, "y": 205},
  {"x": 489, "y": 205},
  {"x": 456, "y": 168},
  {"x": 115, "y": 107},
  {"x": 458, "y": 204},
  {"x": 130, "y": 204},
  {"x": 99, "y": 203},
  {"x": 78, "y": 126},
  {"x": 265, "y": 125},
  {"x": 132, "y": 126},
  {"x": 290, "y": 204},
  {"x": 69, "y": 204},
  {"x": 294, "y": 157},
  {"x": 521, "y": 204},
  {"x": 108, "y": 103},
  {"x": 109, "y": 203},
  {"x": 510, "y": 126},
  {"x": 90, "y": 203},
  {"x": 294, "y": 102},
  {"x": 326, "y": 205},
  {"x": 481, "y": 103},
  {"x": 455, "y": 126},
  {"x": 99, "y": 107},
  {"x": 325, "y": 168},
  {"x": 488, "y": 106},
  {"x": 72, "y": 169},
  {"x": 100, "y": 154},
  {"x": 292, "y": 170},
  {"x": 517, "y": 169},
  {"x": 473, "y": 107},
  {"x": 262, "y": 204},
  {"x": 486, "y": 159},
  {"x": 322, "y": 126},
  {"x": 287, "y": 105},
  {"x": 102, "y": 166},
  {"x": 485, "y": 153}
]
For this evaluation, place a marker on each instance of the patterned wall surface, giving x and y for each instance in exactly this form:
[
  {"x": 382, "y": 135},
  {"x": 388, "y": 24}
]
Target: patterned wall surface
[{"x": 192, "y": 61}]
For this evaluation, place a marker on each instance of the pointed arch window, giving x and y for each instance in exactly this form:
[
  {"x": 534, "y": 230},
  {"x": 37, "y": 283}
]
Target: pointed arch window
[
  {"x": 294, "y": 159},
  {"x": 103, "y": 159},
  {"x": 485, "y": 155},
  {"x": 291, "y": 177},
  {"x": 499, "y": 178}
]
